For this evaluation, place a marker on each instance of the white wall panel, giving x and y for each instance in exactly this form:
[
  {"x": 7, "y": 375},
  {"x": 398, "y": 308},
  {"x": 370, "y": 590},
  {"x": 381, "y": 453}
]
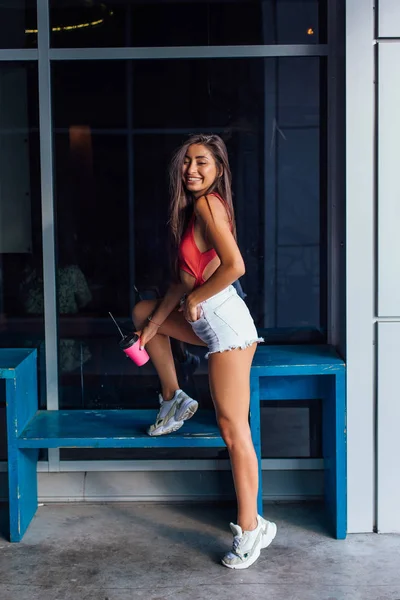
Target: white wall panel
[
  {"x": 388, "y": 517},
  {"x": 389, "y": 18},
  {"x": 389, "y": 181}
]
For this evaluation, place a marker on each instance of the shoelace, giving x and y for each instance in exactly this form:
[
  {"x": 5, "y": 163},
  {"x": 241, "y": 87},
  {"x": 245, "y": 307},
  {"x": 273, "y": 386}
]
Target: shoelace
[{"x": 237, "y": 540}]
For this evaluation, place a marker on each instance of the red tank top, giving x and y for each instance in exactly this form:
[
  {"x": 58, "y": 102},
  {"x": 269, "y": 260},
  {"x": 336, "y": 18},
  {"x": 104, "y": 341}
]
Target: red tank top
[{"x": 190, "y": 259}]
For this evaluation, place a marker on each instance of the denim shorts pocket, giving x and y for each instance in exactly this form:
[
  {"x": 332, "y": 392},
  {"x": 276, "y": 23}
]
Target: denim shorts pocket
[{"x": 230, "y": 312}]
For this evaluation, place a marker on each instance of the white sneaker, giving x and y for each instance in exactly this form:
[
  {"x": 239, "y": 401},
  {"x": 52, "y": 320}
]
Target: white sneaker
[
  {"x": 173, "y": 413},
  {"x": 247, "y": 545}
]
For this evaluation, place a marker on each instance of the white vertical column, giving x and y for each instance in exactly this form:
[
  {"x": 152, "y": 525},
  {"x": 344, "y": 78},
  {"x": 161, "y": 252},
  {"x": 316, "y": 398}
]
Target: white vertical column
[
  {"x": 360, "y": 262},
  {"x": 388, "y": 246}
]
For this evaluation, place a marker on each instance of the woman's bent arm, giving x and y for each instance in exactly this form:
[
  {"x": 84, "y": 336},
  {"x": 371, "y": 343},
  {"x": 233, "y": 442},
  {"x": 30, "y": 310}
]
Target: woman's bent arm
[{"x": 212, "y": 214}]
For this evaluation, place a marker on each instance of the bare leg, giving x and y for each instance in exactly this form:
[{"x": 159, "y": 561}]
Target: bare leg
[
  {"x": 159, "y": 348},
  {"x": 229, "y": 374}
]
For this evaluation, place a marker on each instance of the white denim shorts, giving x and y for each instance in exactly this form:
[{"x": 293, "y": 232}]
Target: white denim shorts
[{"x": 225, "y": 323}]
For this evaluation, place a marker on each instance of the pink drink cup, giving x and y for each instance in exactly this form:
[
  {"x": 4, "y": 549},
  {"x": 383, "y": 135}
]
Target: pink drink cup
[{"x": 130, "y": 345}]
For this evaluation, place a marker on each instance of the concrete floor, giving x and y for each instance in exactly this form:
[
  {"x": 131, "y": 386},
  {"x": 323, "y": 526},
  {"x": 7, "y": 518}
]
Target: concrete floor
[{"x": 157, "y": 552}]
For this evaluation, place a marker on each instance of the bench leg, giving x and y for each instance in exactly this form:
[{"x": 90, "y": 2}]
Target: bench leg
[
  {"x": 22, "y": 485},
  {"x": 256, "y": 434},
  {"x": 21, "y": 399},
  {"x": 334, "y": 450}
]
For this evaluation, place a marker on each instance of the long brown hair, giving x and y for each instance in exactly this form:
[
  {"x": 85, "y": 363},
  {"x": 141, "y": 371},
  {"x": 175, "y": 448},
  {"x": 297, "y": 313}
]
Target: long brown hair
[{"x": 182, "y": 202}]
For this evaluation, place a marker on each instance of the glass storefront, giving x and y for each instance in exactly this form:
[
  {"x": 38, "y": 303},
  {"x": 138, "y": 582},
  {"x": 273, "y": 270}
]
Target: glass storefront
[
  {"x": 18, "y": 24},
  {"x": 115, "y": 124},
  {"x": 20, "y": 216},
  {"x": 163, "y": 23}
]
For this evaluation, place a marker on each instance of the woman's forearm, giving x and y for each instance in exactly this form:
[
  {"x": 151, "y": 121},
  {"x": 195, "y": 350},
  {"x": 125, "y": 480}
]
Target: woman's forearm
[{"x": 169, "y": 302}]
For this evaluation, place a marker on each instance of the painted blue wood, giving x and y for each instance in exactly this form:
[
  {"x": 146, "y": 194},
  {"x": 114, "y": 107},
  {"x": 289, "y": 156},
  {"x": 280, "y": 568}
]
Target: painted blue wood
[
  {"x": 334, "y": 449},
  {"x": 296, "y": 387},
  {"x": 26, "y": 403},
  {"x": 11, "y": 358},
  {"x": 23, "y": 495},
  {"x": 296, "y": 360},
  {"x": 312, "y": 372},
  {"x": 255, "y": 421},
  {"x": 340, "y": 512},
  {"x": 21, "y": 404},
  {"x": 115, "y": 429}
]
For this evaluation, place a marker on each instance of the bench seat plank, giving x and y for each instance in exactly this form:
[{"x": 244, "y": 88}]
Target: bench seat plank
[
  {"x": 114, "y": 429},
  {"x": 296, "y": 360}
]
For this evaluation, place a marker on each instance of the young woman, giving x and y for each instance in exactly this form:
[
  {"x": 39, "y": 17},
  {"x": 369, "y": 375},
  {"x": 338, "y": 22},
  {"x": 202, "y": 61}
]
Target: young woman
[{"x": 202, "y": 307}]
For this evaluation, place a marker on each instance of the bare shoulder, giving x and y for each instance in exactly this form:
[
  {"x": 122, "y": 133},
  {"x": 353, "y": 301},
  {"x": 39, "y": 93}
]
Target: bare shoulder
[{"x": 211, "y": 206}]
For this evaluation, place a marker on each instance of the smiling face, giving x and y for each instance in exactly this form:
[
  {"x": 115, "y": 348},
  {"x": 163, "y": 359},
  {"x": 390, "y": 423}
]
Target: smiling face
[{"x": 199, "y": 170}]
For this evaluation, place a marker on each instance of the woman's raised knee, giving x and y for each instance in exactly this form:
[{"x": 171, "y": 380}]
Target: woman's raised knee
[{"x": 141, "y": 311}]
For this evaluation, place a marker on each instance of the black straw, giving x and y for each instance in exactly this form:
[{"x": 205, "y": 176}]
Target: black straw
[{"x": 122, "y": 335}]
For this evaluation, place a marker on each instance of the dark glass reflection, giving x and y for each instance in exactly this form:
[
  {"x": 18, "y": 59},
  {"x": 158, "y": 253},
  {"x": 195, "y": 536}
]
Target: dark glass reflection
[
  {"x": 158, "y": 23},
  {"x": 18, "y": 24},
  {"x": 21, "y": 259}
]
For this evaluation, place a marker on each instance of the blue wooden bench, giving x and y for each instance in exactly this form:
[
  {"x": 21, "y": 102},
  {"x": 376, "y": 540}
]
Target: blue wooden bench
[
  {"x": 288, "y": 370},
  {"x": 303, "y": 373},
  {"x": 29, "y": 429}
]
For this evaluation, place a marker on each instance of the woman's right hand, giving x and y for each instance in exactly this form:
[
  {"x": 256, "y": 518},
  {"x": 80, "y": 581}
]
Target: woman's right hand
[{"x": 147, "y": 334}]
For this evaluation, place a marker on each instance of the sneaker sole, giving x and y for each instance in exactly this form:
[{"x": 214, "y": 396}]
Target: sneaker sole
[
  {"x": 164, "y": 430},
  {"x": 173, "y": 424},
  {"x": 269, "y": 537},
  {"x": 244, "y": 565},
  {"x": 189, "y": 411}
]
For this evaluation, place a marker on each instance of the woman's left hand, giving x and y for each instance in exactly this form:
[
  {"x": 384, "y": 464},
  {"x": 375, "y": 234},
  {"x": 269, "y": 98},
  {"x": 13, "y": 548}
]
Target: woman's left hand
[{"x": 191, "y": 310}]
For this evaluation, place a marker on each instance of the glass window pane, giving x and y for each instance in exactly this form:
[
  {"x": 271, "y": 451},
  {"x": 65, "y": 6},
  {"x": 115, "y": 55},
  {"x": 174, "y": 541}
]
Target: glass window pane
[
  {"x": 18, "y": 24},
  {"x": 112, "y": 153},
  {"x": 21, "y": 264},
  {"x": 90, "y": 94},
  {"x": 158, "y": 23}
]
